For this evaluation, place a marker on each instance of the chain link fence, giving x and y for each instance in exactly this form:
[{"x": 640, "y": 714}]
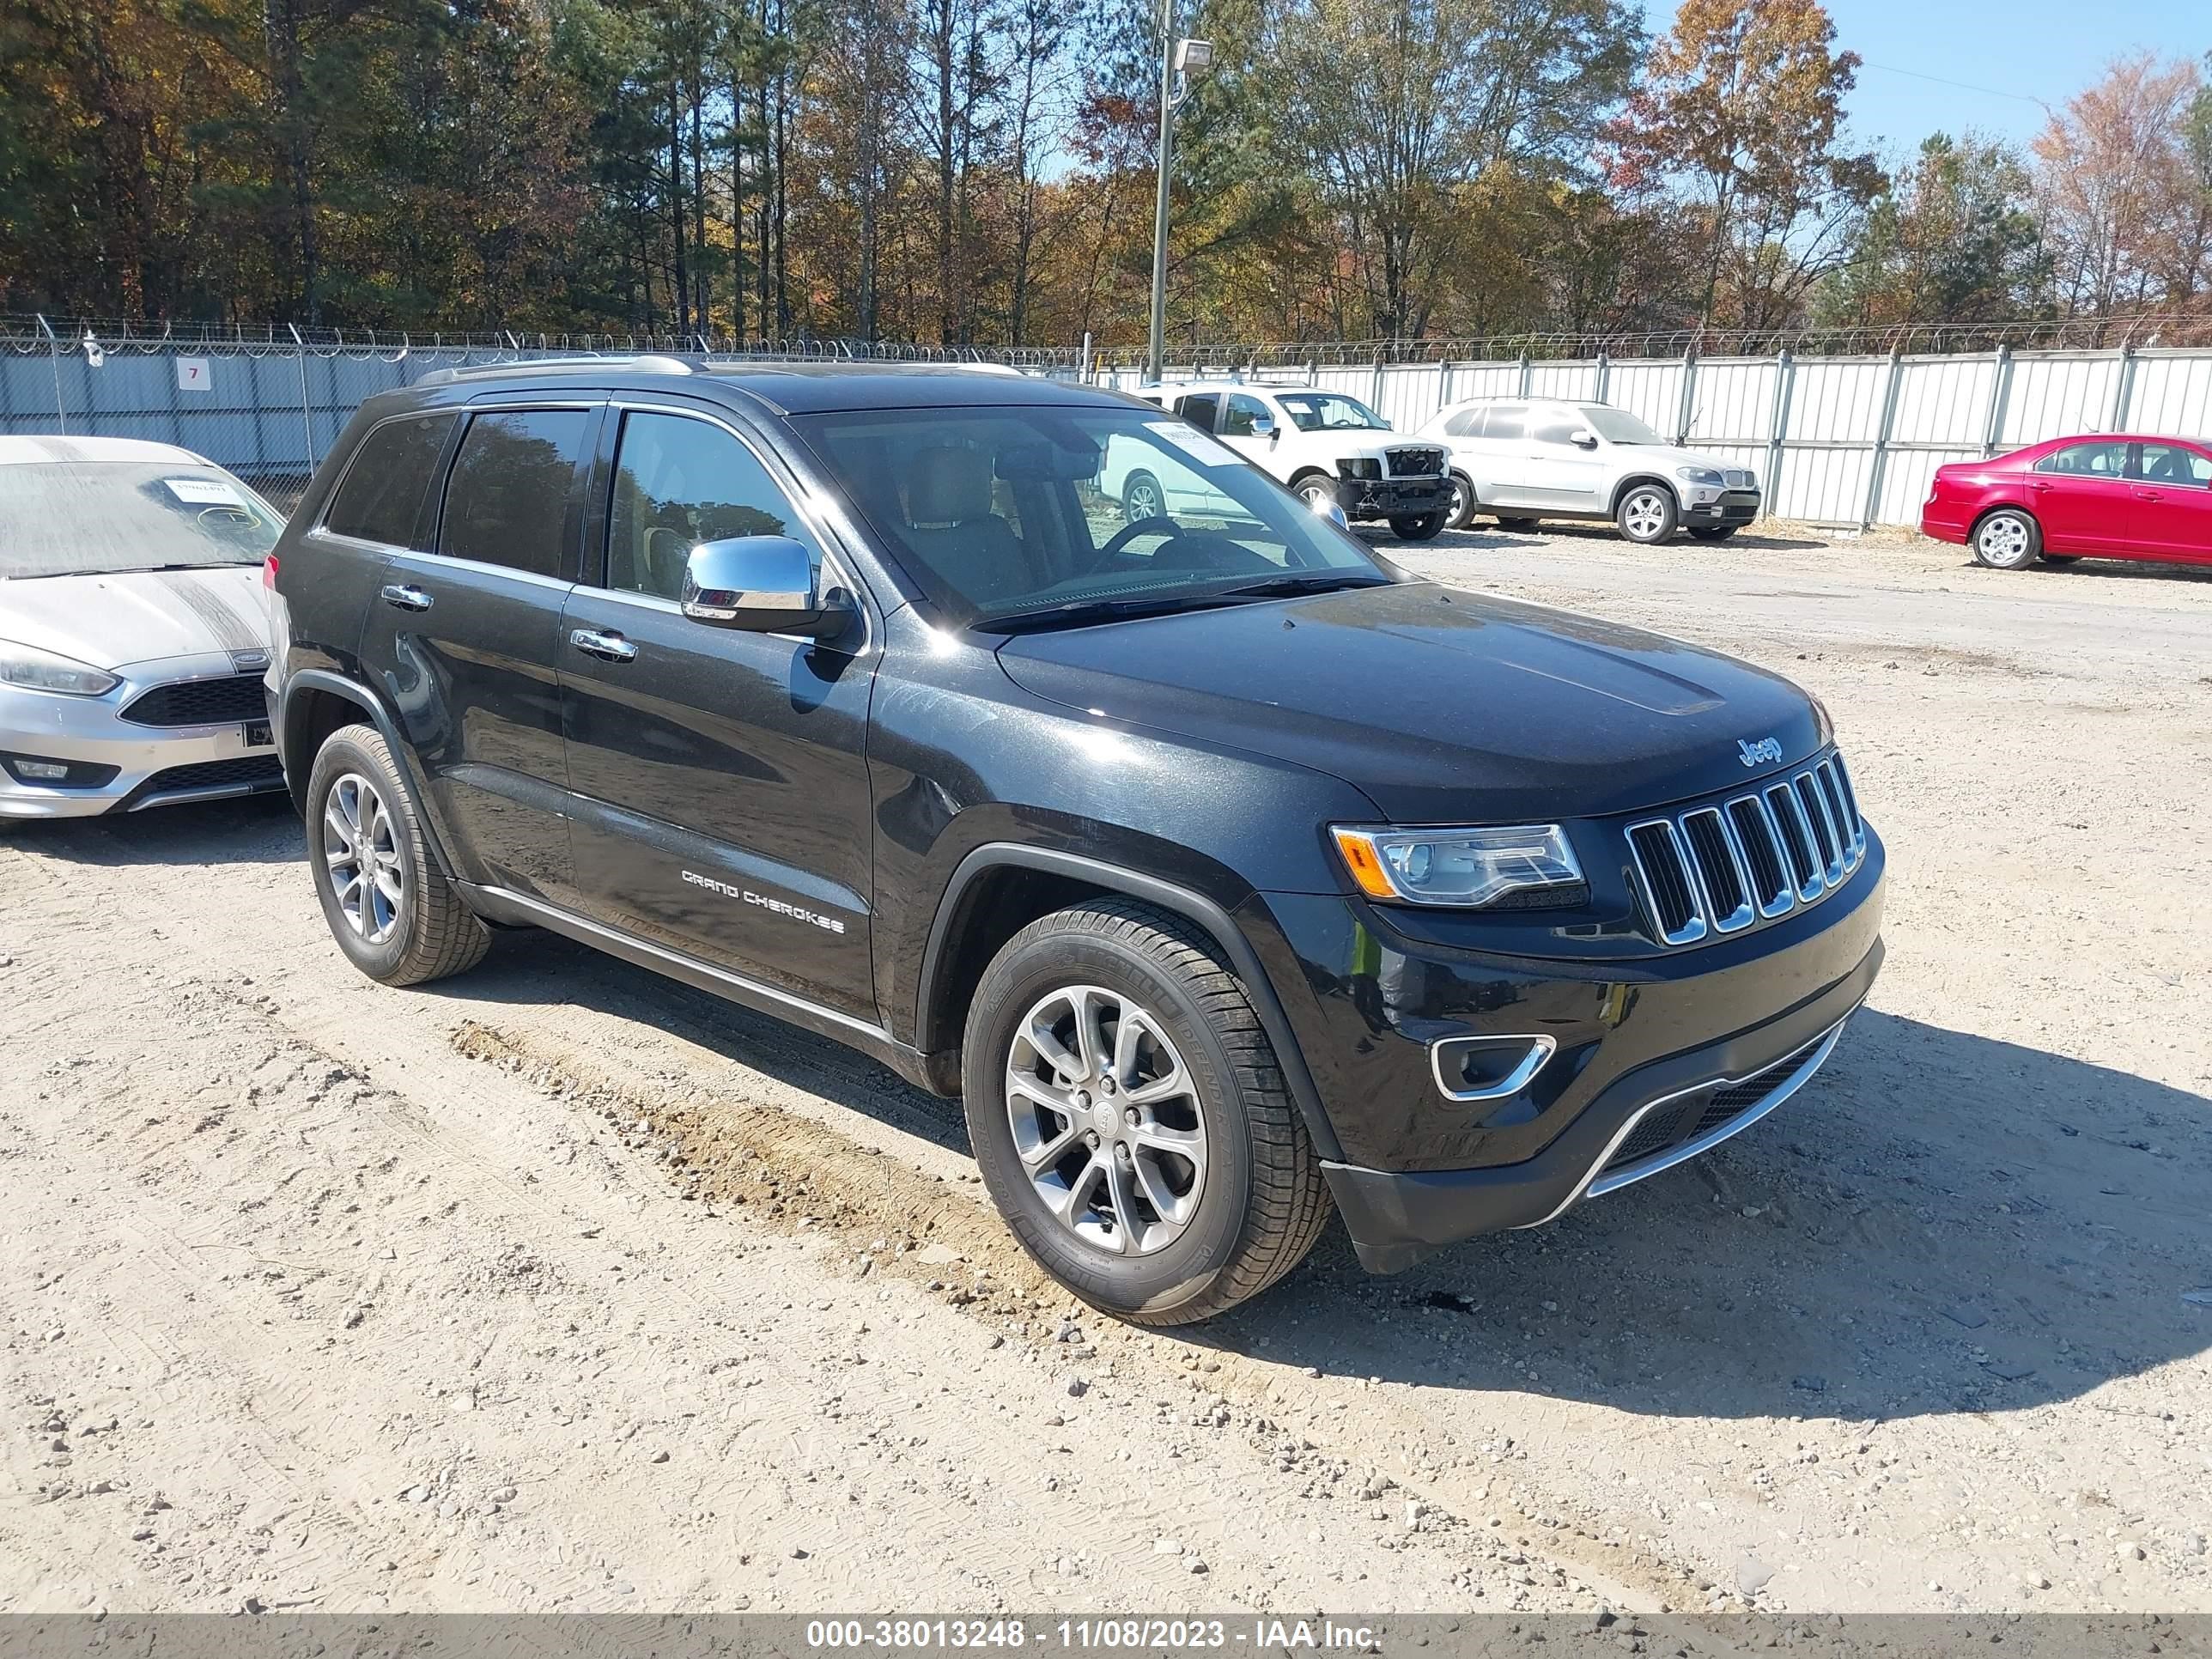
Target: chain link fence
[{"x": 1844, "y": 426}]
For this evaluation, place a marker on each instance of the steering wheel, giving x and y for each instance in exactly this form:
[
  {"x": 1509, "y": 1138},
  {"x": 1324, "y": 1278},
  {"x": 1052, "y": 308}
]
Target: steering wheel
[{"x": 1157, "y": 525}]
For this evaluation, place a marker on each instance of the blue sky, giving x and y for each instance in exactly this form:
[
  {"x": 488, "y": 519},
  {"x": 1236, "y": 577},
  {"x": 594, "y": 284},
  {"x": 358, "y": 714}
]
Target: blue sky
[{"x": 2045, "y": 49}]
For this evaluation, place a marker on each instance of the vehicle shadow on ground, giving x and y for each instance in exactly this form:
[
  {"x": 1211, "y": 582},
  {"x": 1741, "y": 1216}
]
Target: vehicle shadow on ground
[
  {"x": 1941, "y": 1222},
  {"x": 256, "y": 829}
]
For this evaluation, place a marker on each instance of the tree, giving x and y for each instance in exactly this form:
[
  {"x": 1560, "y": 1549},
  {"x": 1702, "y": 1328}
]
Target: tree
[
  {"x": 1954, "y": 238},
  {"x": 2115, "y": 185},
  {"x": 1742, "y": 105}
]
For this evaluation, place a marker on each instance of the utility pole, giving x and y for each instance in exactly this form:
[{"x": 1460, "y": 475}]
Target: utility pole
[{"x": 1179, "y": 60}]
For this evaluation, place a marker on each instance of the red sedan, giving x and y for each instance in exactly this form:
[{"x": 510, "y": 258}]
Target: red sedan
[{"x": 2072, "y": 498}]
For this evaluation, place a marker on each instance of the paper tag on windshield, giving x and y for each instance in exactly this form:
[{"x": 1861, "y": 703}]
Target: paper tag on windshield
[
  {"x": 204, "y": 492},
  {"x": 1196, "y": 444}
]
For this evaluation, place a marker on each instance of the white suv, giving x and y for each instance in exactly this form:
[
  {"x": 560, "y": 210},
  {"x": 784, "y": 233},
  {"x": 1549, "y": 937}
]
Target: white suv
[
  {"x": 1521, "y": 460},
  {"x": 1330, "y": 449}
]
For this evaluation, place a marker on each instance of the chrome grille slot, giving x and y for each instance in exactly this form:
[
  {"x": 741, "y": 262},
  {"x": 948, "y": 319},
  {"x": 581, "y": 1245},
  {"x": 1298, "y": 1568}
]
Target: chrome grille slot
[
  {"x": 1659, "y": 860},
  {"x": 1772, "y": 889},
  {"x": 1816, "y": 819},
  {"x": 1720, "y": 873},
  {"x": 1716, "y": 868}
]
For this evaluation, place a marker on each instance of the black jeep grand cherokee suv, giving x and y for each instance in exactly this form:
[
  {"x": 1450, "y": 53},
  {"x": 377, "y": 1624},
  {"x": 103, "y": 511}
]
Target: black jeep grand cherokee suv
[{"x": 1222, "y": 867}]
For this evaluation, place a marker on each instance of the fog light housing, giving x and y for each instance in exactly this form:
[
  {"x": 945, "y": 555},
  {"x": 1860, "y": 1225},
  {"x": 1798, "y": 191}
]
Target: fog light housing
[{"x": 49, "y": 774}]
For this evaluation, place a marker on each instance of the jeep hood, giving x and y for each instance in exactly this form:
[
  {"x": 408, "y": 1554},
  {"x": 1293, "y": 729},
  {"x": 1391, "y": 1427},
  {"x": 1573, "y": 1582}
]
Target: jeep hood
[
  {"x": 1442, "y": 706},
  {"x": 115, "y": 619}
]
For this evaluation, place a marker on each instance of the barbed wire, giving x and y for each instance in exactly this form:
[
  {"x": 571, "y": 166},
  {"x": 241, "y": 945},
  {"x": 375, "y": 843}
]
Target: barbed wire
[{"x": 32, "y": 333}]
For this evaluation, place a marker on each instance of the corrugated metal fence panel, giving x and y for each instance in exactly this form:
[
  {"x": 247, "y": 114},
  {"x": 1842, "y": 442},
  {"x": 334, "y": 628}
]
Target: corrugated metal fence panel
[
  {"x": 1650, "y": 391},
  {"x": 2052, "y": 395},
  {"x": 1484, "y": 380},
  {"x": 2172, "y": 394},
  {"x": 1571, "y": 382},
  {"x": 1409, "y": 394},
  {"x": 1733, "y": 401},
  {"x": 1944, "y": 400},
  {"x": 1838, "y": 400},
  {"x": 1828, "y": 486}
]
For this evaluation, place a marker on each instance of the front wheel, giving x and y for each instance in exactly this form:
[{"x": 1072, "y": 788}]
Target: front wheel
[
  {"x": 1130, "y": 1118},
  {"x": 2007, "y": 540},
  {"x": 393, "y": 912},
  {"x": 1317, "y": 491},
  {"x": 1460, "y": 511},
  {"x": 1417, "y": 528},
  {"x": 1647, "y": 514}
]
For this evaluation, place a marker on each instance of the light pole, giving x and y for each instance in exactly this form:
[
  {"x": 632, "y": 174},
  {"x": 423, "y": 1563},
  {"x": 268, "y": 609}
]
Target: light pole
[{"x": 1181, "y": 61}]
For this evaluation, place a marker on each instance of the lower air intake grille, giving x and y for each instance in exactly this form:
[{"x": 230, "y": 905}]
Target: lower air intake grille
[
  {"x": 258, "y": 770},
  {"x": 1680, "y": 1122},
  {"x": 201, "y": 703},
  {"x": 1716, "y": 868}
]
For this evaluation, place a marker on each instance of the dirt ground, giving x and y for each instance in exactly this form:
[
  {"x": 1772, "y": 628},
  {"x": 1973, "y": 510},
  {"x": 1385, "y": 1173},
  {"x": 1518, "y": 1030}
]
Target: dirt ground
[{"x": 560, "y": 1286}]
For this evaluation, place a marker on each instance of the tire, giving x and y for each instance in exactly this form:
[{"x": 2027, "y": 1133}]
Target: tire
[
  {"x": 1714, "y": 533},
  {"x": 1256, "y": 1198},
  {"x": 1516, "y": 524},
  {"x": 1646, "y": 514},
  {"x": 1418, "y": 526},
  {"x": 411, "y": 928},
  {"x": 2007, "y": 539},
  {"x": 1316, "y": 489},
  {"x": 1142, "y": 498},
  {"x": 1464, "y": 505}
]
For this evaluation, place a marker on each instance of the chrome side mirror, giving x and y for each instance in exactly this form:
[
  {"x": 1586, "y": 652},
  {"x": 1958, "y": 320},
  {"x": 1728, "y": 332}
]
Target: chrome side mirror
[
  {"x": 1263, "y": 426},
  {"x": 763, "y": 584},
  {"x": 1583, "y": 438}
]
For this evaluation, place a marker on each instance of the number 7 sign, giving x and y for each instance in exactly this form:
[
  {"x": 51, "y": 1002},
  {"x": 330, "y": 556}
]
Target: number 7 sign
[{"x": 192, "y": 374}]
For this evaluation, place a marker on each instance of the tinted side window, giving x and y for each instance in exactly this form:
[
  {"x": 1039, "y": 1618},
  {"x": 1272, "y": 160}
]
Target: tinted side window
[
  {"x": 1199, "y": 411},
  {"x": 2097, "y": 460},
  {"x": 381, "y": 499},
  {"x": 1552, "y": 428},
  {"x": 680, "y": 482},
  {"x": 2171, "y": 463},
  {"x": 506, "y": 499},
  {"x": 1465, "y": 424},
  {"x": 1508, "y": 423}
]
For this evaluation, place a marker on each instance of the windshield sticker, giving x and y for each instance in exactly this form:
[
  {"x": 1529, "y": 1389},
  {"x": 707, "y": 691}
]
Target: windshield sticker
[
  {"x": 1196, "y": 444},
  {"x": 204, "y": 492}
]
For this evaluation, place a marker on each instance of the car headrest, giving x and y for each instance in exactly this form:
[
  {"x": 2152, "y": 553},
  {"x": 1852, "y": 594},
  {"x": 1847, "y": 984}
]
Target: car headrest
[{"x": 947, "y": 486}]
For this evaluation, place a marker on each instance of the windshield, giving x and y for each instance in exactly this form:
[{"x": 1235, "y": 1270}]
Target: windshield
[
  {"x": 88, "y": 517},
  {"x": 1618, "y": 425},
  {"x": 1076, "y": 511},
  {"x": 1316, "y": 411}
]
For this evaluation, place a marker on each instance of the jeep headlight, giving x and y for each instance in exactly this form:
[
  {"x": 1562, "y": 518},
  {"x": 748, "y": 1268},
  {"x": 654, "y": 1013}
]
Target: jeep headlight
[
  {"x": 43, "y": 670},
  {"x": 1365, "y": 466},
  {"x": 1465, "y": 867},
  {"x": 1699, "y": 475}
]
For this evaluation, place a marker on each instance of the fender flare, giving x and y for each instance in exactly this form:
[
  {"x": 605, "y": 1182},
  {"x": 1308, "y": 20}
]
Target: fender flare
[
  {"x": 1635, "y": 479},
  {"x": 353, "y": 691},
  {"x": 1193, "y": 907}
]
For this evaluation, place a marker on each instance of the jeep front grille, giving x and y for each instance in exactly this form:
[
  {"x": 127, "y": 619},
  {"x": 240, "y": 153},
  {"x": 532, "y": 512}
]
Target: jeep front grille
[
  {"x": 1716, "y": 868},
  {"x": 1415, "y": 463},
  {"x": 201, "y": 703}
]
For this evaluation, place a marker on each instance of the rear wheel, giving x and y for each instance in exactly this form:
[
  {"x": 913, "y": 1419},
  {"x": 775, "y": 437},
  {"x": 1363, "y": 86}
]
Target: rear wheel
[
  {"x": 2007, "y": 540},
  {"x": 1141, "y": 498},
  {"x": 1417, "y": 528},
  {"x": 1130, "y": 1118},
  {"x": 1647, "y": 514},
  {"x": 393, "y": 912},
  {"x": 1714, "y": 533}
]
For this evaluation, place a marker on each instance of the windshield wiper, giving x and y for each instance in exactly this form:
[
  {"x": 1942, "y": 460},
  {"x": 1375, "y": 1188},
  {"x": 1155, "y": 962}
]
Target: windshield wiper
[
  {"x": 1312, "y": 581},
  {"x": 1083, "y": 613},
  {"x": 140, "y": 569}
]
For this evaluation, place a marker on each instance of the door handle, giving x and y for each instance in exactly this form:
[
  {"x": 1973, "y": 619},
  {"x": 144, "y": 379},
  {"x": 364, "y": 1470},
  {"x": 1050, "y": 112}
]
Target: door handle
[
  {"x": 2148, "y": 495},
  {"x": 410, "y": 597},
  {"x": 607, "y": 648},
  {"x": 2037, "y": 484}
]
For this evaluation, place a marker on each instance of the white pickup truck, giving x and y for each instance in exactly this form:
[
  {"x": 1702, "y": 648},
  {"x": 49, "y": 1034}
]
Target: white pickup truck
[{"x": 1327, "y": 447}]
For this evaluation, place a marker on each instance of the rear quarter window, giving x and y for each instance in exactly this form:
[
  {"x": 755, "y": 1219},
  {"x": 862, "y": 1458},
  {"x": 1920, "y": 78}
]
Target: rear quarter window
[{"x": 384, "y": 487}]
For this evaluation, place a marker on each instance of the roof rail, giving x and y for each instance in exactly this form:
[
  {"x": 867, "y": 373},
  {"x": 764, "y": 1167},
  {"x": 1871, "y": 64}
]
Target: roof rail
[{"x": 651, "y": 365}]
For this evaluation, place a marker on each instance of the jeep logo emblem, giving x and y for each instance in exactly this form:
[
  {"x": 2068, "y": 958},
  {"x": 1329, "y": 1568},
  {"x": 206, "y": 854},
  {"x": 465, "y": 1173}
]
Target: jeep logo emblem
[{"x": 1755, "y": 754}]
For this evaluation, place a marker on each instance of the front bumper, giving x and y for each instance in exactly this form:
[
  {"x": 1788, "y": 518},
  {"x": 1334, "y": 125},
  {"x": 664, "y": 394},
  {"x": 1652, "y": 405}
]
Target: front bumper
[
  {"x": 1392, "y": 498},
  {"x": 118, "y": 765},
  {"x": 1727, "y": 506}
]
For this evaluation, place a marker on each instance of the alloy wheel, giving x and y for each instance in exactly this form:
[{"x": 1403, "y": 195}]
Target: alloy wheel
[
  {"x": 2003, "y": 540},
  {"x": 362, "y": 859},
  {"x": 1142, "y": 500},
  {"x": 1644, "y": 515},
  {"x": 1106, "y": 1119}
]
